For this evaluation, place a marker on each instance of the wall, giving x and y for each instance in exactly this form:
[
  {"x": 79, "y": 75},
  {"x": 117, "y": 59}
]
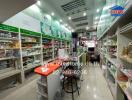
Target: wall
[
  {"x": 30, "y": 19},
  {"x": 22, "y": 20}
]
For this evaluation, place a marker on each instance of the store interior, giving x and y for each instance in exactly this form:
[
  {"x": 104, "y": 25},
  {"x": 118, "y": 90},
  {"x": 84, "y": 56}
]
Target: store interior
[{"x": 66, "y": 50}]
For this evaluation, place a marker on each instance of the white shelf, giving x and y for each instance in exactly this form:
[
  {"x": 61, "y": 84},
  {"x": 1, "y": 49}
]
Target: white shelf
[
  {"x": 112, "y": 73},
  {"x": 32, "y": 55},
  {"x": 12, "y": 39},
  {"x": 7, "y": 58},
  {"x": 30, "y": 43},
  {"x": 9, "y": 48},
  {"x": 8, "y": 74},
  {"x": 43, "y": 84},
  {"x": 31, "y": 47},
  {"x": 44, "y": 95},
  {"x": 114, "y": 61},
  {"x": 112, "y": 87},
  {"x": 126, "y": 28}
]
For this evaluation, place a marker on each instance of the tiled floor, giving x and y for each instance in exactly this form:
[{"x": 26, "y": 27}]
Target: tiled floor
[{"x": 93, "y": 87}]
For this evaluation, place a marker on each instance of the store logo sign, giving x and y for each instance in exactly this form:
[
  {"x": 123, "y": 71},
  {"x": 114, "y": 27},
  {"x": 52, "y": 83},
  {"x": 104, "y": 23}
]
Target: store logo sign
[{"x": 117, "y": 11}]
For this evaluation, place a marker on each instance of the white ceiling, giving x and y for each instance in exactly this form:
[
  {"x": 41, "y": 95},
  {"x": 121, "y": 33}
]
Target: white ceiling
[
  {"x": 8, "y": 8},
  {"x": 88, "y": 6}
]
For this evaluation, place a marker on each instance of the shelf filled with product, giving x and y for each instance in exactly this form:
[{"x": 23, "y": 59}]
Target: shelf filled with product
[
  {"x": 111, "y": 22},
  {"x": 117, "y": 57},
  {"x": 31, "y": 49},
  {"x": 112, "y": 48},
  {"x": 68, "y": 47},
  {"x": 57, "y": 46},
  {"x": 9, "y": 51},
  {"x": 47, "y": 49},
  {"x": 111, "y": 76},
  {"x": 23, "y": 50}
]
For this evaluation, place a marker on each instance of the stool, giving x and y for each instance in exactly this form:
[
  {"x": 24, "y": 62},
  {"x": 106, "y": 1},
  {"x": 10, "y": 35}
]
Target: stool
[{"x": 69, "y": 78}]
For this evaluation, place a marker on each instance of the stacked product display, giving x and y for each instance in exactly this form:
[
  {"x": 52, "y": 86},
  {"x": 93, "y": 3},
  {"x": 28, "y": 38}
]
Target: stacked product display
[
  {"x": 47, "y": 49},
  {"x": 115, "y": 47},
  {"x": 9, "y": 53},
  {"x": 57, "y": 46},
  {"x": 106, "y": 18},
  {"x": 31, "y": 51},
  {"x": 22, "y": 50}
]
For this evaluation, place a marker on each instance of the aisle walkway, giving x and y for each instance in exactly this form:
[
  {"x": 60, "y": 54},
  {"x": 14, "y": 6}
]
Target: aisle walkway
[{"x": 94, "y": 87}]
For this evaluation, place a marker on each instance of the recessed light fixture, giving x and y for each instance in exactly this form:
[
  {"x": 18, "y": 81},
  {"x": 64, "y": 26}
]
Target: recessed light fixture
[
  {"x": 95, "y": 22},
  {"x": 72, "y": 30},
  {"x": 96, "y": 18},
  {"x": 84, "y": 14},
  {"x": 52, "y": 13},
  {"x": 60, "y": 20},
  {"x": 87, "y": 28},
  {"x": 38, "y": 2},
  {"x": 88, "y": 87},
  {"x": 69, "y": 18},
  {"x": 95, "y": 96},
  {"x": 97, "y": 10}
]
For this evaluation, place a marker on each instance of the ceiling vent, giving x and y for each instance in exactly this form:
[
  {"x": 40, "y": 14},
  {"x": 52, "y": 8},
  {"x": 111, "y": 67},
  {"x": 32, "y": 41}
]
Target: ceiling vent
[
  {"x": 73, "y": 5},
  {"x": 79, "y": 19},
  {"x": 82, "y": 24}
]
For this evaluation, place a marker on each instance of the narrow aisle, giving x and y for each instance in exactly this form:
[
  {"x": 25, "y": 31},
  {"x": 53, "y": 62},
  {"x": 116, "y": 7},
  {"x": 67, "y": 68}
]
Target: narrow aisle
[{"x": 93, "y": 87}]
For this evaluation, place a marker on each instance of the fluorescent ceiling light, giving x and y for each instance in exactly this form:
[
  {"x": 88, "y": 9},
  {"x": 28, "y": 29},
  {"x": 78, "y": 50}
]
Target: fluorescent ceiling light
[
  {"x": 84, "y": 14},
  {"x": 38, "y": 2},
  {"x": 69, "y": 18},
  {"x": 97, "y": 10},
  {"x": 52, "y": 13}
]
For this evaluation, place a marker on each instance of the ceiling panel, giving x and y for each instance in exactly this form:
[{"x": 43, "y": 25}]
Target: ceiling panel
[
  {"x": 75, "y": 9},
  {"x": 82, "y": 24},
  {"x": 78, "y": 19},
  {"x": 9, "y": 8}
]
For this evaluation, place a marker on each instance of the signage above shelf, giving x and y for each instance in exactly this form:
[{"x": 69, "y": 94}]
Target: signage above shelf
[
  {"x": 27, "y": 32},
  {"x": 9, "y": 28}
]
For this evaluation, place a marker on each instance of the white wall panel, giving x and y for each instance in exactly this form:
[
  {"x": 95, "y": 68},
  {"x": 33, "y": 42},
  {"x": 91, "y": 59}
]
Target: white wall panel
[{"x": 24, "y": 21}]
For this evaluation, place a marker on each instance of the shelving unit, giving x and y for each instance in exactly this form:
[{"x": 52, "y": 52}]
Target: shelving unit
[
  {"x": 115, "y": 49},
  {"x": 47, "y": 49},
  {"x": 22, "y": 50},
  {"x": 57, "y": 46},
  {"x": 9, "y": 54},
  {"x": 31, "y": 50}
]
